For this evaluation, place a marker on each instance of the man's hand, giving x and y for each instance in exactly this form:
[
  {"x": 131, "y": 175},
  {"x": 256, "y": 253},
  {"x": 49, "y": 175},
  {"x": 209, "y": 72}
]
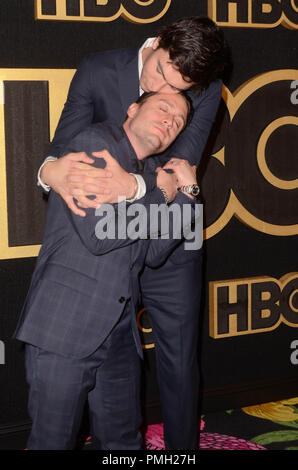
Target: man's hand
[
  {"x": 54, "y": 174},
  {"x": 88, "y": 180},
  {"x": 73, "y": 176},
  {"x": 168, "y": 182},
  {"x": 185, "y": 173}
]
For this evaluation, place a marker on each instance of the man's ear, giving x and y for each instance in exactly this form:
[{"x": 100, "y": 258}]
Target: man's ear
[
  {"x": 155, "y": 45},
  {"x": 132, "y": 109}
]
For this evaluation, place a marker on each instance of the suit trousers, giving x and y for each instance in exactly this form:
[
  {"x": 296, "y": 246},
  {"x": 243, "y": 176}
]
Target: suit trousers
[
  {"x": 109, "y": 379},
  {"x": 171, "y": 295}
]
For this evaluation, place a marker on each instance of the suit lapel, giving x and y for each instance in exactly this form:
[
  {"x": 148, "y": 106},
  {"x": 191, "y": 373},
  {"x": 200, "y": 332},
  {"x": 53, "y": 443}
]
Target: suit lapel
[{"x": 128, "y": 77}]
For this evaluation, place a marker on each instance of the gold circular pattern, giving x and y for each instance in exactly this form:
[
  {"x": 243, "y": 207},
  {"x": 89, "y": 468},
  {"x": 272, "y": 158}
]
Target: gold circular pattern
[
  {"x": 291, "y": 300},
  {"x": 261, "y": 151},
  {"x": 144, "y": 3}
]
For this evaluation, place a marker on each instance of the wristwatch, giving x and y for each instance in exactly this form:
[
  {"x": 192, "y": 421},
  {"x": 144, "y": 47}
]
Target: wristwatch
[{"x": 192, "y": 189}]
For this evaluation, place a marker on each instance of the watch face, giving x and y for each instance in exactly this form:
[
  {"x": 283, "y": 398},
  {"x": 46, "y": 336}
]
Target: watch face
[{"x": 195, "y": 190}]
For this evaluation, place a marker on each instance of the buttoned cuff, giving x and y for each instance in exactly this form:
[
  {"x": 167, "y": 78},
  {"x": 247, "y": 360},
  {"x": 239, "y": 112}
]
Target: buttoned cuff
[{"x": 44, "y": 186}]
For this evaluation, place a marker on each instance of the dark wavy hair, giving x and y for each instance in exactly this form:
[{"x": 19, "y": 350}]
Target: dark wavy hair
[{"x": 197, "y": 47}]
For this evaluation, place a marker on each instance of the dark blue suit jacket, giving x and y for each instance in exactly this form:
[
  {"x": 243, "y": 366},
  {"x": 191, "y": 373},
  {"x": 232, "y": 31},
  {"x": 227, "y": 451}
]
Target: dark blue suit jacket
[
  {"x": 81, "y": 284},
  {"x": 104, "y": 86}
]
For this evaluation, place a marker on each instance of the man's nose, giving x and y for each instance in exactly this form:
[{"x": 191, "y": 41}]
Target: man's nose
[
  {"x": 168, "y": 121},
  {"x": 163, "y": 86}
]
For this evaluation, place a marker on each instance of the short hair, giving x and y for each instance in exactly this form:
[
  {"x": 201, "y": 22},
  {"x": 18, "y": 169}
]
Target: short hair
[
  {"x": 190, "y": 111},
  {"x": 197, "y": 47}
]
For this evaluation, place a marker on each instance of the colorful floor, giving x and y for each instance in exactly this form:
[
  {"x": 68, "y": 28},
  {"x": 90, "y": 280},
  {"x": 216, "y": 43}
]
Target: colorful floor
[{"x": 270, "y": 426}]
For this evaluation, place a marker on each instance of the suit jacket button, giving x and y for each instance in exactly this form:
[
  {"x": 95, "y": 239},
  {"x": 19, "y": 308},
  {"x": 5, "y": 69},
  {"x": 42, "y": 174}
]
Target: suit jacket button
[{"x": 121, "y": 300}]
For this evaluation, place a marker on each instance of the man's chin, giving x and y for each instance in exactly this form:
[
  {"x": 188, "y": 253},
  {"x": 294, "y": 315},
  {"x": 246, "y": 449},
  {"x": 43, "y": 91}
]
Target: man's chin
[
  {"x": 144, "y": 87},
  {"x": 155, "y": 145}
]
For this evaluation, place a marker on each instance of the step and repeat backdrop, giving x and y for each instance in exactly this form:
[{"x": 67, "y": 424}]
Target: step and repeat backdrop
[{"x": 248, "y": 348}]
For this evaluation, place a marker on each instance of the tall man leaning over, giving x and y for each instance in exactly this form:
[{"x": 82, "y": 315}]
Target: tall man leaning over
[{"x": 189, "y": 54}]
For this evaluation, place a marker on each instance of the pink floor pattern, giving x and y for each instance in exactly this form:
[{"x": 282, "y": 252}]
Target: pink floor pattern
[{"x": 208, "y": 441}]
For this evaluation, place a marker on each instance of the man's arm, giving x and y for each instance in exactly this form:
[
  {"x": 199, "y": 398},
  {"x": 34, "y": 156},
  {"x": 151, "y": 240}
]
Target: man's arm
[
  {"x": 191, "y": 143},
  {"x": 115, "y": 226},
  {"x": 186, "y": 223},
  {"x": 117, "y": 219},
  {"x": 189, "y": 146},
  {"x": 78, "y": 111},
  {"x": 74, "y": 179},
  {"x": 186, "y": 220},
  {"x": 90, "y": 139},
  {"x": 108, "y": 228},
  {"x": 71, "y": 176}
]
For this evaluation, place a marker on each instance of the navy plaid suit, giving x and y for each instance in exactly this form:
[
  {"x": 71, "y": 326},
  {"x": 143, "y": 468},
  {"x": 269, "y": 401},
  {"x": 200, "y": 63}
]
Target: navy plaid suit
[
  {"x": 103, "y": 87},
  {"x": 82, "y": 291}
]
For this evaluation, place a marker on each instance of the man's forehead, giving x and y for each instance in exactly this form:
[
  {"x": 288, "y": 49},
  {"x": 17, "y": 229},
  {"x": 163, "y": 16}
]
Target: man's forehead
[
  {"x": 173, "y": 100},
  {"x": 175, "y": 103}
]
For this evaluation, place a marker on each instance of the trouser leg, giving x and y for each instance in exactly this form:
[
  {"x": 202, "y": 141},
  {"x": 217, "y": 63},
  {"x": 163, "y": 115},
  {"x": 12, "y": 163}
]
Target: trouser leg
[
  {"x": 57, "y": 394},
  {"x": 109, "y": 379},
  {"x": 171, "y": 295},
  {"x": 114, "y": 402}
]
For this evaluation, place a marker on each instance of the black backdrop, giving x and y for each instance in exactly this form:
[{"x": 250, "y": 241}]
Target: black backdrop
[{"x": 240, "y": 367}]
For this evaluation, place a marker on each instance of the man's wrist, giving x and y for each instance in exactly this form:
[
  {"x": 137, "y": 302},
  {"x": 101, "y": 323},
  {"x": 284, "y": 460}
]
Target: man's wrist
[
  {"x": 190, "y": 196},
  {"x": 191, "y": 190},
  {"x": 133, "y": 193},
  {"x": 139, "y": 188},
  {"x": 41, "y": 181}
]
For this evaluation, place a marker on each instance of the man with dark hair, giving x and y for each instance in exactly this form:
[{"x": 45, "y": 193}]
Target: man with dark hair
[
  {"x": 188, "y": 55},
  {"x": 79, "y": 320},
  {"x": 197, "y": 48}
]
